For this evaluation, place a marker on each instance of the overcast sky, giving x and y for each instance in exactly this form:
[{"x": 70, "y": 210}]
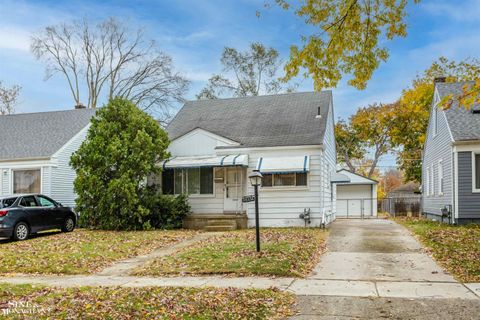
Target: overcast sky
[{"x": 194, "y": 33}]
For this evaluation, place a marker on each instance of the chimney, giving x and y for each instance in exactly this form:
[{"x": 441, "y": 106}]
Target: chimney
[
  {"x": 80, "y": 106},
  {"x": 439, "y": 79}
]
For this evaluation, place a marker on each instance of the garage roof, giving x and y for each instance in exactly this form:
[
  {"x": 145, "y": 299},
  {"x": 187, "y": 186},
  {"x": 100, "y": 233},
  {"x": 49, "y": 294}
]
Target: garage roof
[{"x": 355, "y": 178}]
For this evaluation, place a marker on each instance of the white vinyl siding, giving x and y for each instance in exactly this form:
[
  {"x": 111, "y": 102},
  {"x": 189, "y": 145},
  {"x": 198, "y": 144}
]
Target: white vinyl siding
[
  {"x": 282, "y": 206},
  {"x": 63, "y": 175}
]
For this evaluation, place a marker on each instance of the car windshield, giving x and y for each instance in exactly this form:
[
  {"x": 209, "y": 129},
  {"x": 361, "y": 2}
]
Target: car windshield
[{"x": 5, "y": 203}]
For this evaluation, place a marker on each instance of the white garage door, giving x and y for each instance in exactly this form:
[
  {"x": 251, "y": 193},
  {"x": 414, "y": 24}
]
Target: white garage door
[{"x": 353, "y": 200}]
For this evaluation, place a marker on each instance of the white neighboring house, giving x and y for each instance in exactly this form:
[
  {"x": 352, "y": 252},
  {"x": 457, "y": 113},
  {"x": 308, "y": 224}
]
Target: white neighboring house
[
  {"x": 356, "y": 195},
  {"x": 35, "y": 151},
  {"x": 289, "y": 138}
]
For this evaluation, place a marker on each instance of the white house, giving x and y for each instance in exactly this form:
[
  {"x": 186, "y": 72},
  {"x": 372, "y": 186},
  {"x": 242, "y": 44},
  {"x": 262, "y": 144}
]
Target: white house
[
  {"x": 289, "y": 138},
  {"x": 35, "y": 150}
]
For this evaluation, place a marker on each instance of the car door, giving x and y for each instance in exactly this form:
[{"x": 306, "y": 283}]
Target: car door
[
  {"x": 34, "y": 213},
  {"x": 53, "y": 213}
]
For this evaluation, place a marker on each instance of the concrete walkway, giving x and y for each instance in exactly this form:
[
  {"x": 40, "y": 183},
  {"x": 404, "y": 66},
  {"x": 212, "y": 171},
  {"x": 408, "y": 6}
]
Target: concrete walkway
[{"x": 376, "y": 269}]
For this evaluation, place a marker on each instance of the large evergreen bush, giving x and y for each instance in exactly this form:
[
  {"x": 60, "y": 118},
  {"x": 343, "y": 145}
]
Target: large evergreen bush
[{"x": 123, "y": 146}]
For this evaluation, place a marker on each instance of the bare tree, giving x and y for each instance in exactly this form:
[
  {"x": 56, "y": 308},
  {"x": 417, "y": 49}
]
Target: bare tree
[
  {"x": 108, "y": 59},
  {"x": 247, "y": 73},
  {"x": 8, "y": 98}
]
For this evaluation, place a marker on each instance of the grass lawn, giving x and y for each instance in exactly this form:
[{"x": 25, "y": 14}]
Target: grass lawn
[
  {"x": 456, "y": 248},
  {"x": 285, "y": 252},
  {"x": 143, "y": 303},
  {"x": 81, "y": 251}
]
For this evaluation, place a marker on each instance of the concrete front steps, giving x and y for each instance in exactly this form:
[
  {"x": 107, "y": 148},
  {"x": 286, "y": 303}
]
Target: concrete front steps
[
  {"x": 215, "y": 222},
  {"x": 220, "y": 225}
]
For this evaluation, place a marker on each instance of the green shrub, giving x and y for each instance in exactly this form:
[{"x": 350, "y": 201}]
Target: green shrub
[
  {"x": 168, "y": 211},
  {"x": 123, "y": 146}
]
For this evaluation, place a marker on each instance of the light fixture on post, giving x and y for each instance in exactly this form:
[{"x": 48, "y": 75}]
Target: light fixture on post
[{"x": 256, "y": 180}]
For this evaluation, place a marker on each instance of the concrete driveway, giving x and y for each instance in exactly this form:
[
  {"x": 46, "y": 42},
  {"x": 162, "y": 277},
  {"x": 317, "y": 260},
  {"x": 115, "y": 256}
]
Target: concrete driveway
[{"x": 374, "y": 268}]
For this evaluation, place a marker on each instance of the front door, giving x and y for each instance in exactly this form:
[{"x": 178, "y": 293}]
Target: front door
[{"x": 233, "y": 190}]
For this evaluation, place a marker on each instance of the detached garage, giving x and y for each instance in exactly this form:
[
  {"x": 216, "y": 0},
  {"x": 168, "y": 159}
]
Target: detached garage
[{"x": 356, "y": 196}]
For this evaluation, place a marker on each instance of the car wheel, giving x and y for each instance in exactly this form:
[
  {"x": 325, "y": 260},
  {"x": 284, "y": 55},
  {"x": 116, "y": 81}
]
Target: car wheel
[
  {"x": 21, "y": 231},
  {"x": 68, "y": 225}
]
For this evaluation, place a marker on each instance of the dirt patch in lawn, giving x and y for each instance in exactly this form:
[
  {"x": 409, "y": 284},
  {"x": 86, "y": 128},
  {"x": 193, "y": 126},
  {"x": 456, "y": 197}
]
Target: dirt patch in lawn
[
  {"x": 143, "y": 303},
  {"x": 284, "y": 252},
  {"x": 81, "y": 251}
]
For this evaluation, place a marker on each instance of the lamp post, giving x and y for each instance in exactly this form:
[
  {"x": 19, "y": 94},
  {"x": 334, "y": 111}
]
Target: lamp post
[{"x": 256, "y": 180}]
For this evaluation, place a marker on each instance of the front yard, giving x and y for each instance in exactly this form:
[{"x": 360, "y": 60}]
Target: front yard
[
  {"x": 142, "y": 303},
  {"x": 284, "y": 252},
  {"x": 456, "y": 248},
  {"x": 82, "y": 251}
]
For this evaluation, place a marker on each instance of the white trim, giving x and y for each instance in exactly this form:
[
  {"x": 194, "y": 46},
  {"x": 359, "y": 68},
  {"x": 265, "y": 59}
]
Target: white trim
[
  {"x": 467, "y": 147},
  {"x": 223, "y": 151},
  {"x": 74, "y": 138},
  {"x": 456, "y": 183},
  {"x": 474, "y": 187}
]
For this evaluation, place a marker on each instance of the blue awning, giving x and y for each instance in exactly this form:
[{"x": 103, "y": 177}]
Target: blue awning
[
  {"x": 283, "y": 164},
  {"x": 207, "y": 161}
]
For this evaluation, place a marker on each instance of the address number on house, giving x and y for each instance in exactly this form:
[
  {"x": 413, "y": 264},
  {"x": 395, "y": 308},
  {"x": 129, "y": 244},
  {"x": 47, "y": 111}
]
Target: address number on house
[{"x": 248, "y": 198}]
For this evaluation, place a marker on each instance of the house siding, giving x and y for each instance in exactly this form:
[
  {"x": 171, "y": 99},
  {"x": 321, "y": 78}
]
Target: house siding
[
  {"x": 437, "y": 148},
  {"x": 329, "y": 164},
  {"x": 468, "y": 202},
  {"x": 282, "y": 207},
  {"x": 63, "y": 175}
]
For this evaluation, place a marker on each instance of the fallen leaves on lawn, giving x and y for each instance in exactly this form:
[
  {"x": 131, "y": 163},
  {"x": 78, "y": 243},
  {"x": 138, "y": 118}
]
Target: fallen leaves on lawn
[
  {"x": 456, "y": 248},
  {"x": 284, "y": 252},
  {"x": 81, "y": 251},
  {"x": 153, "y": 303}
]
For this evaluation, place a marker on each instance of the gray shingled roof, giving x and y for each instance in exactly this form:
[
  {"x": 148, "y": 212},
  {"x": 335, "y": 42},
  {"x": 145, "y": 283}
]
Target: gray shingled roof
[
  {"x": 262, "y": 121},
  {"x": 39, "y": 135},
  {"x": 464, "y": 124}
]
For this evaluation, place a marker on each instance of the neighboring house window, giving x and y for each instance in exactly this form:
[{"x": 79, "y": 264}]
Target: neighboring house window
[
  {"x": 26, "y": 181},
  {"x": 440, "y": 178},
  {"x": 284, "y": 179},
  {"x": 190, "y": 181},
  {"x": 427, "y": 182},
  {"x": 435, "y": 120},
  {"x": 432, "y": 178},
  {"x": 476, "y": 172}
]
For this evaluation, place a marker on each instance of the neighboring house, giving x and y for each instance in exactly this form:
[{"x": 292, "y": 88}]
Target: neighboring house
[
  {"x": 289, "y": 138},
  {"x": 451, "y": 160},
  {"x": 407, "y": 190},
  {"x": 356, "y": 195},
  {"x": 35, "y": 150}
]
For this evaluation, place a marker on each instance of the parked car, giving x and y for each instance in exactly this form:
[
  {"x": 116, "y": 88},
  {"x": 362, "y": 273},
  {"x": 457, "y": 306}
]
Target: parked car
[{"x": 22, "y": 215}]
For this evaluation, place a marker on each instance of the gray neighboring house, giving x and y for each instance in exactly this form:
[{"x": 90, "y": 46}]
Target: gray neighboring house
[
  {"x": 35, "y": 151},
  {"x": 451, "y": 160}
]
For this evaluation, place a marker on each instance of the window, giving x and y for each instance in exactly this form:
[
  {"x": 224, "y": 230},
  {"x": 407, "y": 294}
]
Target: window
[
  {"x": 29, "y": 202},
  {"x": 284, "y": 179},
  {"x": 435, "y": 120},
  {"x": 440, "y": 178},
  {"x": 26, "y": 181},
  {"x": 427, "y": 182},
  {"x": 45, "y": 202},
  {"x": 7, "y": 202},
  {"x": 476, "y": 172},
  {"x": 432, "y": 181},
  {"x": 190, "y": 181}
]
